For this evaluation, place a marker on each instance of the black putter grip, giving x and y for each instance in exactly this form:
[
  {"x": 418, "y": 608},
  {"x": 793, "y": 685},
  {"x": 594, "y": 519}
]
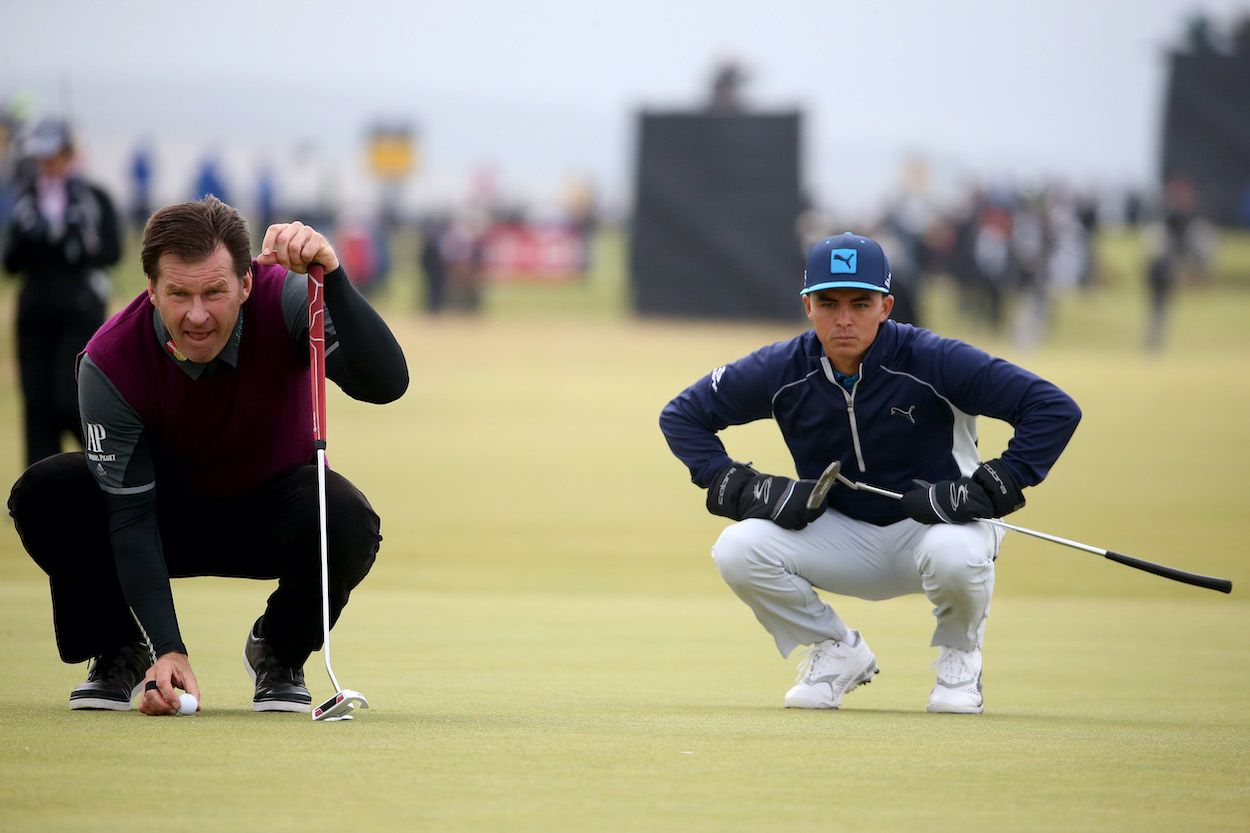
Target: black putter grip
[{"x": 1223, "y": 585}]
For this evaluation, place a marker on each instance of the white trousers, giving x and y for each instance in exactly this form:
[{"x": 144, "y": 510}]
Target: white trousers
[{"x": 777, "y": 571}]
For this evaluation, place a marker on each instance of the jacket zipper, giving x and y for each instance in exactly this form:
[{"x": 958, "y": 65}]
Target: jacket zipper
[
  {"x": 850, "y": 408},
  {"x": 850, "y": 412}
]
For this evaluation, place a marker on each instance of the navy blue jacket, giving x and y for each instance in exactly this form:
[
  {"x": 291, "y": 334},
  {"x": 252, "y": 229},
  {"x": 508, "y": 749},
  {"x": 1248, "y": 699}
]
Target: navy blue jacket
[{"x": 911, "y": 415}]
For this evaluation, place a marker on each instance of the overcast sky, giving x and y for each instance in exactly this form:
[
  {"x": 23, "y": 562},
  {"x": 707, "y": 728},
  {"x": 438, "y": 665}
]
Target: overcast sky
[{"x": 547, "y": 91}]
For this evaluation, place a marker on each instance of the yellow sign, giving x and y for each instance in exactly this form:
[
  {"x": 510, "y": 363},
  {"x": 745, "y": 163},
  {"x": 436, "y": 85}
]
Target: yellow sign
[{"x": 392, "y": 152}]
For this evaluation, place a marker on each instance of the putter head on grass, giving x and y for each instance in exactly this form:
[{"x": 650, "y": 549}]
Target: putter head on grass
[{"x": 340, "y": 706}]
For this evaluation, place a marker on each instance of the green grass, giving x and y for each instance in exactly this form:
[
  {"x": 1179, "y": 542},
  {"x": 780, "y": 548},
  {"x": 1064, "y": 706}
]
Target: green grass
[{"x": 547, "y": 646}]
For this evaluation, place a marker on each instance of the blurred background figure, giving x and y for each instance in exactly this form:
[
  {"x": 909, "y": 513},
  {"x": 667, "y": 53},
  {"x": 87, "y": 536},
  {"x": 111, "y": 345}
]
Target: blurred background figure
[
  {"x": 727, "y": 82},
  {"x": 364, "y": 248},
  {"x": 310, "y": 188},
  {"x": 460, "y": 245},
  {"x": 141, "y": 184},
  {"x": 10, "y": 128},
  {"x": 210, "y": 180},
  {"x": 433, "y": 266},
  {"x": 266, "y": 194},
  {"x": 1179, "y": 242},
  {"x": 62, "y": 234}
]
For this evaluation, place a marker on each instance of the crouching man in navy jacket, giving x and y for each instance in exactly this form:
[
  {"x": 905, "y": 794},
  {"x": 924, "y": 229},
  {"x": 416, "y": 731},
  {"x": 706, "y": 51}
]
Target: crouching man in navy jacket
[{"x": 896, "y": 406}]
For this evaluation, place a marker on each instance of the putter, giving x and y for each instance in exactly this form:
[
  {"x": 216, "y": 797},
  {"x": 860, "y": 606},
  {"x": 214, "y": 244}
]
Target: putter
[
  {"x": 1221, "y": 585},
  {"x": 824, "y": 484},
  {"x": 344, "y": 701}
]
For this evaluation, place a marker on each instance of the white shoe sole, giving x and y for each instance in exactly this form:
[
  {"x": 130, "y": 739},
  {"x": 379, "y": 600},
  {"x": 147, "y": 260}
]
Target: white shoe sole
[
  {"x": 864, "y": 678},
  {"x": 98, "y": 704},
  {"x": 90, "y": 703},
  {"x": 946, "y": 708},
  {"x": 281, "y": 706}
]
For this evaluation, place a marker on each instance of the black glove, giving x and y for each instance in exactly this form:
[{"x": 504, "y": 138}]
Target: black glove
[
  {"x": 990, "y": 492},
  {"x": 740, "y": 492},
  {"x": 1003, "y": 488}
]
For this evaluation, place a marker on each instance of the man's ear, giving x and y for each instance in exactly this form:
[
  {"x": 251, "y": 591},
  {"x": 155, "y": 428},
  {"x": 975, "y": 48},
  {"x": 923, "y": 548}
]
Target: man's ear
[
  {"x": 246, "y": 282},
  {"x": 888, "y": 303},
  {"x": 152, "y": 290}
]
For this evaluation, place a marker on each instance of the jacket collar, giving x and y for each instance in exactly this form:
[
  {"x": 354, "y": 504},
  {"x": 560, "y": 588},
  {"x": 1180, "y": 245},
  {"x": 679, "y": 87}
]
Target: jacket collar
[{"x": 883, "y": 345}]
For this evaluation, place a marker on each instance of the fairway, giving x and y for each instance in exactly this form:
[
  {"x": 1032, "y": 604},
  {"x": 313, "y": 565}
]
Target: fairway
[{"x": 546, "y": 645}]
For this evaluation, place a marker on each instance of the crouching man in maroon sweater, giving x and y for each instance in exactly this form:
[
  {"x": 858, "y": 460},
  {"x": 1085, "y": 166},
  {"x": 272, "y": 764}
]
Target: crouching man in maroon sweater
[{"x": 199, "y": 460}]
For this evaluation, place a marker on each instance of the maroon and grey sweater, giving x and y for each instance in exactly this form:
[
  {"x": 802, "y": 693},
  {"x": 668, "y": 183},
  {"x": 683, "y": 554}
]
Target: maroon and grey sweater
[
  {"x": 228, "y": 431},
  {"x": 219, "y": 429}
]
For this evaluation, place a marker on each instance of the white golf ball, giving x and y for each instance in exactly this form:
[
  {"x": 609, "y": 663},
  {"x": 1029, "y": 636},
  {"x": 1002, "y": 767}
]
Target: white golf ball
[{"x": 187, "y": 704}]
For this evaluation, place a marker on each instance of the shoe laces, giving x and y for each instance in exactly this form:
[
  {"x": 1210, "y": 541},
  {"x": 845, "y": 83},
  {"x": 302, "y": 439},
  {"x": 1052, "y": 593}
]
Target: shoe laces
[
  {"x": 954, "y": 666},
  {"x": 116, "y": 667},
  {"x": 272, "y": 672},
  {"x": 814, "y": 656}
]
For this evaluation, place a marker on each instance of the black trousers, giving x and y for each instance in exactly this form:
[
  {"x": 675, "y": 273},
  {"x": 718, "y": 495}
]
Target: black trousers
[
  {"x": 271, "y": 533},
  {"x": 49, "y": 338}
]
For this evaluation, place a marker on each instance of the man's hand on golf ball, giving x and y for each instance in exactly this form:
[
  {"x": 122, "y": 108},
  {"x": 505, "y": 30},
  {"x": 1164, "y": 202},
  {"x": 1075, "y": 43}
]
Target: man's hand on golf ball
[{"x": 170, "y": 672}]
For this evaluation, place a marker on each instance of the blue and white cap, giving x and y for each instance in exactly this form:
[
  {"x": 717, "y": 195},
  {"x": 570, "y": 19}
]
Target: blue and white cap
[{"x": 848, "y": 261}]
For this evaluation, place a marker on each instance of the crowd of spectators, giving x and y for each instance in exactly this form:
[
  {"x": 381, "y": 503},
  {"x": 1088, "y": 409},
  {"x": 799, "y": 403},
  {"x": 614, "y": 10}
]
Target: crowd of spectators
[{"x": 1011, "y": 251}]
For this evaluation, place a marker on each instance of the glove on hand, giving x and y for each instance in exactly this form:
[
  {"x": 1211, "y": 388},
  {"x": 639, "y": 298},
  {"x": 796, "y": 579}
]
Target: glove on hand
[
  {"x": 990, "y": 492},
  {"x": 740, "y": 492},
  {"x": 1003, "y": 489}
]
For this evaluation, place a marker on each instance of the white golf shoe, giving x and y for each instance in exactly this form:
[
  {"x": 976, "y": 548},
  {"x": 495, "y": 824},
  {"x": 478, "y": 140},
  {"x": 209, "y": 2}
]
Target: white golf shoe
[
  {"x": 958, "y": 686},
  {"x": 829, "y": 670}
]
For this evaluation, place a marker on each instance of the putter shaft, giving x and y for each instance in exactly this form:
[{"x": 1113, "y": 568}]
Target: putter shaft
[{"x": 1221, "y": 585}]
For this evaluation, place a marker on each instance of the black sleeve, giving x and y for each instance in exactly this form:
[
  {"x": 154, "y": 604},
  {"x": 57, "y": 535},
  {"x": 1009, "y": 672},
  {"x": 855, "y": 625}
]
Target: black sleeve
[
  {"x": 124, "y": 469},
  {"x": 105, "y": 247},
  {"x": 141, "y": 569},
  {"x": 362, "y": 356},
  {"x": 21, "y": 238}
]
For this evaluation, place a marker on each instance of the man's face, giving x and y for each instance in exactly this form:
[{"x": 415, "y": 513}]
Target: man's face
[
  {"x": 199, "y": 302},
  {"x": 846, "y": 322},
  {"x": 55, "y": 166}
]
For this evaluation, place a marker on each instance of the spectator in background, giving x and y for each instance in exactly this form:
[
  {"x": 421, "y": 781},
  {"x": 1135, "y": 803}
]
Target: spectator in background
[
  {"x": 1179, "y": 243},
  {"x": 364, "y": 249},
  {"x": 989, "y": 281},
  {"x": 62, "y": 234},
  {"x": 1013, "y": 249},
  {"x": 209, "y": 180},
  {"x": 1030, "y": 244},
  {"x": 433, "y": 266},
  {"x": 727, "y": 83},
  {"x": 9, "y": 156},
  {"x": 903, "y": 250},
  {"x": 461, "y": 245},
  {"x": 141, "y": 182},
  {"x": 266, "y": 194}
]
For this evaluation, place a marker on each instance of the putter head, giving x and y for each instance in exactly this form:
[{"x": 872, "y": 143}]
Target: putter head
[
  {"x": 340, "y": 706},
  {"x": 824, "y": 484}
]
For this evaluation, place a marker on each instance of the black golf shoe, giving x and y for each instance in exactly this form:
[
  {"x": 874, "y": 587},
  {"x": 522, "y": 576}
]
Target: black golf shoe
[
  {"x": 114, "y": 679},
  {"x": 278, "y": 687}
]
